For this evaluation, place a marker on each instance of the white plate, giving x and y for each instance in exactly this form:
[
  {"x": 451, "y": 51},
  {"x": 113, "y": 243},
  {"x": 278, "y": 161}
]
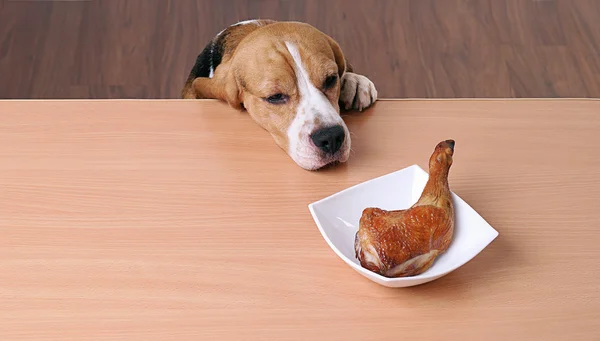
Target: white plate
[{"x": 337, "y": 218}]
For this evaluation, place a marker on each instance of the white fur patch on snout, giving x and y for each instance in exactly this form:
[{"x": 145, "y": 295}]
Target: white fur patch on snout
[
  {"x": 358, "y": 92},
  {"x": 314, "y": 111}
]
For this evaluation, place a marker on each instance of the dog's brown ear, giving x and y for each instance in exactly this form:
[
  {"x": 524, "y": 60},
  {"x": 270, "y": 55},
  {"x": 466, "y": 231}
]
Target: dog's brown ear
[
  {"x": 233, "y": 95},
  {"x": 340, "y": 59},
  {"x": 225, "y": 89}
]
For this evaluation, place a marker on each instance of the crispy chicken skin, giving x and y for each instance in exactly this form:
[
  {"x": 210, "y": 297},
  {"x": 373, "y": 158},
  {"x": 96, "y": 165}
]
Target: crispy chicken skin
[{"x": 404, "y": 243}]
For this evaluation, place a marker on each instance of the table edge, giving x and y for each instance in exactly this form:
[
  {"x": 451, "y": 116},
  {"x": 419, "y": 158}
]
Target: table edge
[{"x": 490, "y": 99}]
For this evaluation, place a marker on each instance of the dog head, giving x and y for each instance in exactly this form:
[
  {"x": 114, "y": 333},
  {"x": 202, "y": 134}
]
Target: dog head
[{"x": 288, "y": 77}]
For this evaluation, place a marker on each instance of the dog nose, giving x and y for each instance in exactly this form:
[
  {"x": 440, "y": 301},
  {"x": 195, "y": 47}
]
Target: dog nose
[{"x": 329, "y": 139}]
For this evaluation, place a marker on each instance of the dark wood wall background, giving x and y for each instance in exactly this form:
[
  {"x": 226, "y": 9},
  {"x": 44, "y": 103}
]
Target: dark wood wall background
[{"x": 409, "y": 48}]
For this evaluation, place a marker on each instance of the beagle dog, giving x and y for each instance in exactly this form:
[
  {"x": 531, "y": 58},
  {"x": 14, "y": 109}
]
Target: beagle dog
[{"x": 292, "y": 79}]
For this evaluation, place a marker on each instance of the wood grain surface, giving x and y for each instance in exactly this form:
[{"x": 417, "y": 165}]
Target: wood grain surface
[
  {"x": 409, "y": 48},
  {"x": 181, "y": 220}
]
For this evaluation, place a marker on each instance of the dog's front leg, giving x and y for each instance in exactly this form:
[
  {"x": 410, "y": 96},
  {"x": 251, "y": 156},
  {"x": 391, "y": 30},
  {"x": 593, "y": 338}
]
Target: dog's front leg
[{"x": 357, "y": 92}]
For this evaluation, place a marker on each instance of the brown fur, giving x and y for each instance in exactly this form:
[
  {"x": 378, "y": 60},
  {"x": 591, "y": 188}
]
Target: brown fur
[{"x": 256, "y": 64}]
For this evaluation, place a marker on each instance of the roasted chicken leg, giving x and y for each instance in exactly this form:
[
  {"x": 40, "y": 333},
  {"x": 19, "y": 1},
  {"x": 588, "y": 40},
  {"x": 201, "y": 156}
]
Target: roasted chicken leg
[{"x": 404, "y": 243}]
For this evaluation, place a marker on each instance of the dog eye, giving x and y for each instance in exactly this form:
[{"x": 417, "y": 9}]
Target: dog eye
[
  {"x": 277, "y": 99},
  {"x": 330, "y": 82}
]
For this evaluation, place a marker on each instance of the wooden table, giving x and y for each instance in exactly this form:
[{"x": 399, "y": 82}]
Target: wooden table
[{"x": 182, "y": 220}]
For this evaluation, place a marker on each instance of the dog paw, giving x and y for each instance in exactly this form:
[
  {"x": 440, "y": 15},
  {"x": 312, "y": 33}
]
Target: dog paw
[{"x": 357, "y": 93}]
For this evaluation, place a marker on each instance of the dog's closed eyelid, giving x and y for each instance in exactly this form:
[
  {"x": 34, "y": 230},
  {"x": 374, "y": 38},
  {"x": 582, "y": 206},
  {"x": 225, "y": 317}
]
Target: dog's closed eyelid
[
  {"x": 330, "y": 81},
  {"x": 278, "y": 98}
]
